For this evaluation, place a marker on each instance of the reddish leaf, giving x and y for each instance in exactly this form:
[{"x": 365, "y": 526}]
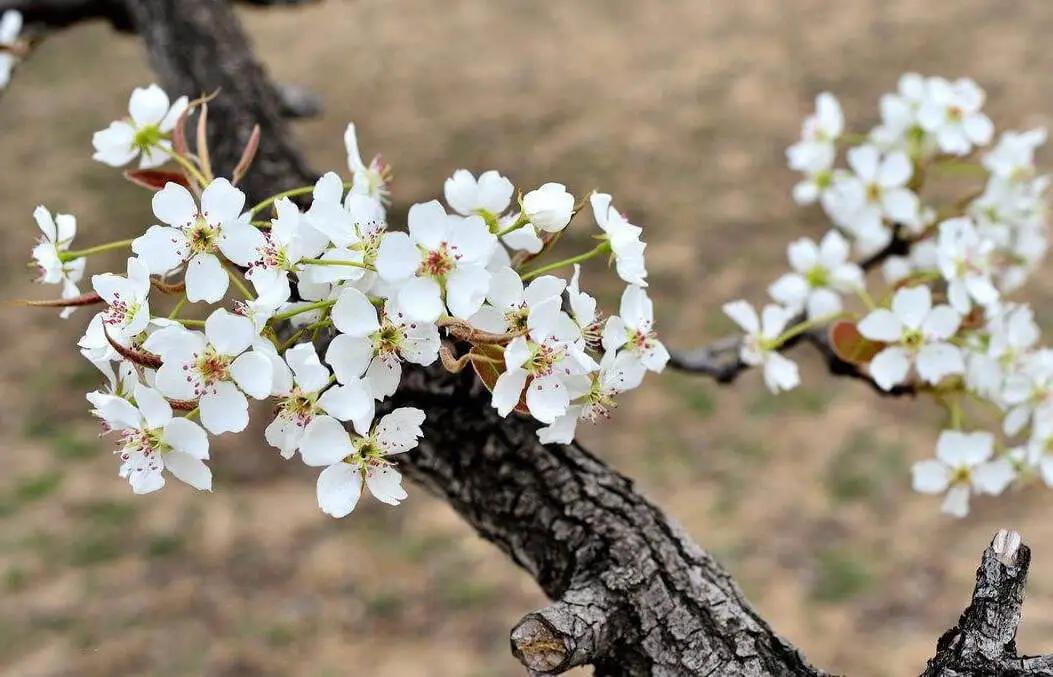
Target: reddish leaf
[
  {"x": 851, "y": 346},
  {"x": 154, "y": 179},
  {"x": 488, "y": 372}
]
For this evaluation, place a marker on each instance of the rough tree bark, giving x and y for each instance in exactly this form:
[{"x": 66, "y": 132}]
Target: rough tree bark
[{"x": 633, "y": 595}]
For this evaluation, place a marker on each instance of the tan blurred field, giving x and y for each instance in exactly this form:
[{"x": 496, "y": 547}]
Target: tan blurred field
[{"x": 682, "y": 110}]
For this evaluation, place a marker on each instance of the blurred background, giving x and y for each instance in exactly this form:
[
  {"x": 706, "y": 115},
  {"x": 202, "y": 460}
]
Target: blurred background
[{"x": 682, "y": 110}]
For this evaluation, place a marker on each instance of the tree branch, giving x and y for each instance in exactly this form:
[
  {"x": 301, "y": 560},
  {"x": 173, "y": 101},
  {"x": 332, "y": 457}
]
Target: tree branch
[{"x": 633, "y": 595}]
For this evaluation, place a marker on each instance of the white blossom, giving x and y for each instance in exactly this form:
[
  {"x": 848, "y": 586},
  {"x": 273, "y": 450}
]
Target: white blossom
[
  {"x": 373, "y": 345},
  {"x": 372, "y": 179},
  {"x": 488, "y": 196},
  {"x": 145, "y": 133},
  {"x": 440, "y": 263},
  {"x": 351, "y": 461},
  {"x": 758, "y": 345},
  {"x": 152, "y": 440},
  {"x": 216, "y": 368},
  {"x": 632, "y": 330},
  {"x": 963, "y": 466},
  {"x": 821, "y": 274},
  {"x": 509, "y": 303},
  {"x": 875, "y": 193},
  {"x": 58, "y": 233},
  {"x": 965, "y": 260},
  {"x": 127, "y": 299},
  {"x": 624, "y": 239},
  {"x": 10, "y": 27},
  {"x": 917, "y": 333},
  {"x": 815, "y": 151},
  {"x": 196, "y": 234},
  {"x": 313, "y": 394},
  {"x": 951, "y": 112}
]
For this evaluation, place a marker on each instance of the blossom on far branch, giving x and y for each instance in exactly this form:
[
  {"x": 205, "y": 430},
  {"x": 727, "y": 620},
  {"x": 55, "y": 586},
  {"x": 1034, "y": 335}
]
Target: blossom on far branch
[
  {"x": 964, "y": 465},
  {"x": 917, "y": 334},
  {"x": 821, "y": 275},
  {"x": 10, "y": 27},
  {"x": 760, "y": 346}
]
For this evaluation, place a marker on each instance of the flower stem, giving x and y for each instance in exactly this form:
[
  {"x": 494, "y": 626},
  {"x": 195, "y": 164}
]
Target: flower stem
[
  {"x": 802, "y": 327},
  {"x": 178, "y": 307},
  {"x": 337, "y": 262},
  {"x": 303, "y": 309},
  {"x": 519, "y": 223},
  {"x": 80, "y": 253},
  {"x": 601, "y": 248},
  {"x": 292, "y": 192},
  {"x": 190, "y": 323},
  {"x": 235, "y": 278},
  {"x": 188, "y": 167}
]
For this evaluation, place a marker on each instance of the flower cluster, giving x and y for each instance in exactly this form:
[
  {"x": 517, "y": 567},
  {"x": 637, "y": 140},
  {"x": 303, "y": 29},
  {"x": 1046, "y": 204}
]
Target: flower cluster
[
  {"x": 317, "y": 305},
  {"x": 939, "y": 319}
]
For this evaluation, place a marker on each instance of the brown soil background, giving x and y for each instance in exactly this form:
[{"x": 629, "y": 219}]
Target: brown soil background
[{"x": 682, "y": 110}]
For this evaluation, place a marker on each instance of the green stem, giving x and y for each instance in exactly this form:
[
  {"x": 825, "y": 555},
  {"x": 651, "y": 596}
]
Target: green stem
[
  {"x": 303, "y": 309},
  {"x": 601, "y": 248},
  {"x": 292, "y": 192},
  {"x": 337, "y": 262},
  {"x": 80, "y": 253},
  {"x": 178, "y": 307},
  {"x": 802, "y": 327},
  {"x": 193, "y": 414},
  {"x": 519, "y": 223},
  {"x": 190, "y": 323},
  {"x": 188, "y": 167},
  {"x": 236, "y": 279}
]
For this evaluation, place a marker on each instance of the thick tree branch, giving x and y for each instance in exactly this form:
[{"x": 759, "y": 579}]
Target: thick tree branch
[{"x": 633, "y": 595}]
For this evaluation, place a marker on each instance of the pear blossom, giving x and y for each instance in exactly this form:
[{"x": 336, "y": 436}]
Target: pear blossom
[
  {"x": 58, "y": 233},
  {"x": 821, "y": 274},
  {"x": 547, "y": 209},
  {"x": 965, "y": 260},
  {"x": 951, "y": 112},
  {"x": 509, "y": 303},
  {"x": 1039, "y": 450},
  {"x": 313, "y": 394},
  {"x": 195, "y": 234},
  {"x": 1011, "y": 333},
  {"x": 819, "y": 133},
  {"x": 874, "y": 193},
  {"x": 758, "y": 345},
  {"x": 632, "y": 330},
  {"x": 963, "y": 466},
  {"x": 351, "y": 461},
  {"x": 899, "y": 129},
  {"x": 371, "y": 180},
  {"x": 440, "y": 263},
  {"x": 127, "y": 299},
  {"x": 152, "y": 440},
  {"x": 488, "y": 196},
  {"x": 583, "y": 311},
  {"x": 10, "y": 27},
  {"x": 1028, "y": 391},
  {"x": 216, "y": 368},
  {"x": 373, "y": 345},
  {"x": 145, "y": 134},
  {"x": 624, "y": 240},
  {"x": 1013, "y": 157},
  {"x": 289, "y": 239},
  {"x": 917, "y": 333},
  {"x": 546, "y": 362},
  {"x": 618, "y": 372}
]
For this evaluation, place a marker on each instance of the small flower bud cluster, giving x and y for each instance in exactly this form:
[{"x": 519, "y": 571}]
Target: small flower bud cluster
[
  {"x": 940, "y": 320},
  {"x": 318, "y": 308}
]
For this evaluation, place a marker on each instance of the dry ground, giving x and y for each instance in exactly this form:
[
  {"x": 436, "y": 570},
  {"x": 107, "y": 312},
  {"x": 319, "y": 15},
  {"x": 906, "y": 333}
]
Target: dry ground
[{"x": 682, "y": 110}]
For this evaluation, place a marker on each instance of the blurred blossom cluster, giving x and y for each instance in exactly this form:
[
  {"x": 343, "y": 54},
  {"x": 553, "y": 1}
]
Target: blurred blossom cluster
[
  {"x": 937, "y": 316},
  {"x": 312, "y": 300}
]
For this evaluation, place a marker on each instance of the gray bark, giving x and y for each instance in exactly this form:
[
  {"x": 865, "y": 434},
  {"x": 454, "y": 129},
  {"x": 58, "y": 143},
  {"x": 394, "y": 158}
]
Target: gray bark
[{"x": 632, "y": 594}]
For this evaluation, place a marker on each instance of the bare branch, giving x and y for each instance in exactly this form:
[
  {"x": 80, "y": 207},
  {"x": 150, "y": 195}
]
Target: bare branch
[{"x": 983, "y": 642}]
